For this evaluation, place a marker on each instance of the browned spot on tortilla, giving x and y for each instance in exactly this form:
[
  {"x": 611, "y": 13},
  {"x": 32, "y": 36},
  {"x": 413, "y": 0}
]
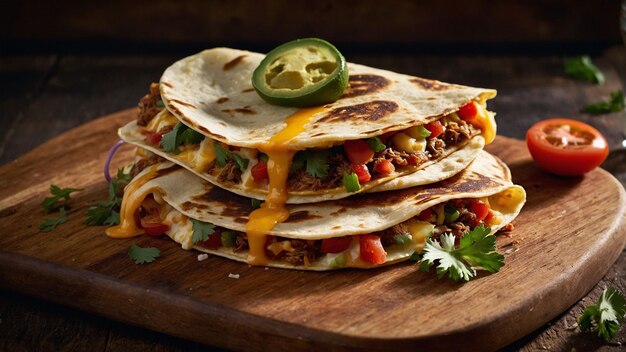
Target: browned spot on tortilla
[
  {"x": 167, "y": 84},
  {"x": 301, "y": 216},
  {"x": 431, "y": 98},
  {"x": 370, "y": 111},
  {"x": 339, "y": 212},
  {"x": 337, "y": 227},
  {"x": 222, "y": 123},
  {"x": 166, "y": 171},
  {"x": 429, "y": 84},
  {"x": 183, "y": 103},
  {"x": 192, "y": 205},
  {"x": 248, "y": 90},
  {"x": 233, "y": 205},
  {"x": 234, "y": 62},
  {"x": 246, "y": 111},
  {"x": 241, "y": 220},
  {"x": 222, "y": 100},
  {"x": 207, "y": 132},
  {"x": 364, "y": 84},
  {"x": 318, "y": 134}
]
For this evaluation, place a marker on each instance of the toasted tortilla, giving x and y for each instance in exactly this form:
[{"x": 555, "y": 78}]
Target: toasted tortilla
[{"x": 197, "y": 199}]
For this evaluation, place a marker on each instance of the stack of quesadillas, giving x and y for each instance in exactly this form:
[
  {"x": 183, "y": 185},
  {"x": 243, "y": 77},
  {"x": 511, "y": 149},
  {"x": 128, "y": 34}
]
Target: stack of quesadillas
[{"x": 359, "y": 182}]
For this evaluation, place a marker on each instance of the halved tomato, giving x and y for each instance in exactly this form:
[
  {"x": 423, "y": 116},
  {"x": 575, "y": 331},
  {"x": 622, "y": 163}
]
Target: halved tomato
[{"x": 566, "y": 147}]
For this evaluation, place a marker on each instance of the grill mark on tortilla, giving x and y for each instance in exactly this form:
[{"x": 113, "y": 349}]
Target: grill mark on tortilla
[
  {"x": 339, "y": 212},
  {"x": 364, "y": 84},
  {"x": 232, "y": 205},
  {"x": 243, "y": 110},
  {"x": 167, "y": 84},
  {"x": 187, "y": 206},
  {"x": 222, "y": 123},
  {"x": 222, "y": 100},
  {"x": 234, "y": 62},
  {"x": 163, "y": 172},
  {"x": 429, "y": 84},
  {"x": 336, "y": 227},
  {"x": 301, "y": 216},
  {"x": 248, "y": 90},
  {"x": 241, "y": 220},
  {"x": 183, "y": 103},
  {"x": 370, "y": 111}
]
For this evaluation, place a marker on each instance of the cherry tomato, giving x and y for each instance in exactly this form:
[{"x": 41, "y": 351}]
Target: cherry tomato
[
  {"x": 361, "y": 172},
  {"x": 566, "y": 147},
  {"x": 479, "y": 208},
  {"x": 259, "y": 171},
  {"x": 384, "y": 167},
  {"x": 358, "y": 151},
  {"x": 468, "y": 111},
  {"x": 336, "y": 245},
  {"x": 372, "y": 250},
  {"x": 435, "y": 128}
]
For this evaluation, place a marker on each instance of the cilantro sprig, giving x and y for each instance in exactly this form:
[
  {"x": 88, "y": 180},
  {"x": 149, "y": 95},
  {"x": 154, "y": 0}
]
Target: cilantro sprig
[
  {"x": 222, "y": 155},
  {"x": 616, "y": 103},
  {"x": 179, "y": 135},
  {"x": 315, "y": 162},
  {"x": 476, "y": 250},
  {"x": 201, "y": 231},
  {"x": 376, "y": 144},
  {"x": 107, "y": 213},
  {"x": 51, "y": 223},
  {"x": 142, "y": 255},
  {"x": 604, "y": 317},
  {"x": 582, "y": 68},
  {"x": 58, "y": 194}
]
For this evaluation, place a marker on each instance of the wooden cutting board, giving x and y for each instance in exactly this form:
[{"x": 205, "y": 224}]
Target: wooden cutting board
[{"x": 567, "y": 236}]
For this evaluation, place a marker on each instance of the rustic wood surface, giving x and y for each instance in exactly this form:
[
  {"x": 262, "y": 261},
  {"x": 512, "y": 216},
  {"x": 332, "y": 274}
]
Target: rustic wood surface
[{"x": 51, "y": 94}]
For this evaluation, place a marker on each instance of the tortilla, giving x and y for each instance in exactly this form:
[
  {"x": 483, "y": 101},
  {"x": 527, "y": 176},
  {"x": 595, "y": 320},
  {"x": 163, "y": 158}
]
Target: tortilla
[{"x": 194, "y": 198}]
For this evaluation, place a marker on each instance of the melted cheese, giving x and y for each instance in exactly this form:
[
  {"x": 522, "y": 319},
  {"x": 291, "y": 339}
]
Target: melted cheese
[
  {"x": 205, "y": 155},
  {"x": 273, "y": 211},
  {"x": 162, "y": 119},
  {"x": 485, "y": 121},
  {"x": 130, "y": 203}
]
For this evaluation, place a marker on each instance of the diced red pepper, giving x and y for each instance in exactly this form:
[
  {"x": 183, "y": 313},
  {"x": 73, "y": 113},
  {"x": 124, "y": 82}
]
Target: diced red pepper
[
  {"x": 361, "y": 172},
  {"x": 214, "y": 241},
  {"x": 372, "y": 250},
  {"x": 425, "y": 215},
  {"x": 259, "y": 171},
  {"x": 489, "y": 217},
  {"x": 336, "y": 245},
  {"x": 435, "y": 128},
  {"x": 384, "y": 167},
  {"x": 479, "y": 208},
  {"x": 358, "y": 151},
  {"x": 152, "y": 138},
  {"x": 149, "y": 218},
  {"x": 468, "y": 111},
  {"x": 153, "y": 228}
]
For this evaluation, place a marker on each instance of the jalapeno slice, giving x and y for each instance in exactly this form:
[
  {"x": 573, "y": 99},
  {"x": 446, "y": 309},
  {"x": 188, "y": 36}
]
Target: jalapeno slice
[{"x": 303, "y": 72}]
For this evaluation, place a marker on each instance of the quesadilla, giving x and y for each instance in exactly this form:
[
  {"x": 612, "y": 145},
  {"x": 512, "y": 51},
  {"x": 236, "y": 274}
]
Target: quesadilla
[
  {"x": 205, "y": 116},
  {"x": 363, "y": 231}
]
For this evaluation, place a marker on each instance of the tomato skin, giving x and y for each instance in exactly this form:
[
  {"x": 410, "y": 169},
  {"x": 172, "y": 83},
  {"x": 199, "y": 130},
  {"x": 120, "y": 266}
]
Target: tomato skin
[
  {"x": 384, "y": 167},
  {"x": 153, "y": 228},
  {"x": 336, "y": 245},
  {"x": 566, "y": 160},
  {"x": 358, "y": 151},
  {"x": 372, "y": 250},
  {"x": 479, "y": 208},
  {"x": 435, "y": 128},
  {"x": 468, "y": 111},
  {"x": 153, "y": 138},
  {"x": 259, "y": 171},
  {"x": 214, "y": 241},
  {"x": 361, "y": 172}
]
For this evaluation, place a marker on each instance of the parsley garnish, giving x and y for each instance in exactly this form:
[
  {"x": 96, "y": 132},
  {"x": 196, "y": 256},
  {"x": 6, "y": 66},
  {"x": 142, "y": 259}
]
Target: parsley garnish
[
  {"x": 605, "y": 317},
  {"x": 376, "y": 144},
  {"x": 222, "y": 155},
  {"x": 180, "y": 134},
  {"x": 201, "y": 231},
  {"x": 108, "y": 213},
  {"x": 49, "y": 203},
  {"x": 143, "y": 255},
  {"x": 50, "y": 224},
  {"x": 476, "y": 250},
  {"x": 616, "y": 103},
  {"x": 583, "y": 69}
]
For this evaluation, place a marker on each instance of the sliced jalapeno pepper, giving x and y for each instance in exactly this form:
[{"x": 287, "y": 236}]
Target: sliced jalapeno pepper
[{"x": 303, "y": 72}]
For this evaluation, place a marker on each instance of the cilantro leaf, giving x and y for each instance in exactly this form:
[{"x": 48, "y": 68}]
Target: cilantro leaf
[
  {"x": 241, "y": 161},
  {"x": 160, "y": 104},
  {"x": 169, "y": 141},
  {"x": 605, "y": 317},
  {"x": 583, "y": 69},
  {"x": 298, "y": 161},
  {"x": 99, "y": 214},
  {"x": 222, "y": 155},
  {"x": 201, "y": 231},
  {"x": 255, "y": 203},
  {"x": 50, "y": 224},
  {"x": 376, "y": 144},
  {"x": 189, "y": 136},
  {"x": 122, "y": 176},
  {"x": 58, "y": 193},
  {"x": 108, "y": 213},
  {"x": 317, "y": 163},
  {"x": 476, "y": 250},
  {"x": 142, "y": 255},
  {"x": 616, "y": 103}
]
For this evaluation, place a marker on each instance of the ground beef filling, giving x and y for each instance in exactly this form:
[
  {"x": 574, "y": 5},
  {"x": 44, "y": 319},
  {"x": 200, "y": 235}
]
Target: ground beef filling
[
  {"x": 148, "y": 105},
  {"x": 141, "y": 164}
]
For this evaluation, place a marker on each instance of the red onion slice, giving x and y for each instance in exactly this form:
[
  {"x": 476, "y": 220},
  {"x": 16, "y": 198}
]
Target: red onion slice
[{"x": 107, "y": 163}]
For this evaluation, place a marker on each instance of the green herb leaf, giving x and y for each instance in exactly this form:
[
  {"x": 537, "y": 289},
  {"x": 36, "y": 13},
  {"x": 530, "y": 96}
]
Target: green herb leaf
[
  {"x": 108, "y": 213},
  {"x": 201, "y": 231},
  {"x": 605, "y": 317},
  {"x": 317, "y": 163},
  {"x": 403, "y": 240},
  {"x": 142, "y": 255},
  {"x": 49, "y": 203},
  {"x": 221, "y": 155},
  {"x": 50, "y": 224},
  {"x": 99, "y": 214},
  {"x": 376, "y": 144},
  {"x": 423, "y": 132},
  {"x": 229, "y": 239},
  {"x": 160, "y": 104},
  {"x": 189, "y": 136},
  {"x": 476, "y": 250},
  {"x": 583, "y": 69},
  {"x": 298, "y": 161},
  {"x": 122, "y": 176},
  {"x": 616, "y": 103},
  {"x": 351, "y": 182},
  {"x": 240, "y": 161},
  {"x": 255, "y": 203},
  {"x": 169, "y": 141},
  {"x": 415, "y": 257}
]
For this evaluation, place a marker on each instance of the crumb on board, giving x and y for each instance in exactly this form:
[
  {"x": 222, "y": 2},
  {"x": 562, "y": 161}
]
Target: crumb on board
[
  {"x": 202, "y": 257},
  {"x": 233, "y": 276}
]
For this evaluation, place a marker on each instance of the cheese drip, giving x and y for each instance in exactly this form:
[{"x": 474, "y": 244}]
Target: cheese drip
[
  {"x": 130, "y": 203},
  {"x": 261, "y": 221},
  {"x": 485, "y": 121}
]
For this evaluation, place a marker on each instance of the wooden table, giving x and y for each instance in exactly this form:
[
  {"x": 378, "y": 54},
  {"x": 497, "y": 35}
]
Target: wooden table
[{"x": 42, "y": 96}]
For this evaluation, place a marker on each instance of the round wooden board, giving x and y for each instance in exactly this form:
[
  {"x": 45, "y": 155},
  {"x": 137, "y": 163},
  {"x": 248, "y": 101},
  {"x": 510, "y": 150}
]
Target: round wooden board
[{"x": 567, "y": 236}]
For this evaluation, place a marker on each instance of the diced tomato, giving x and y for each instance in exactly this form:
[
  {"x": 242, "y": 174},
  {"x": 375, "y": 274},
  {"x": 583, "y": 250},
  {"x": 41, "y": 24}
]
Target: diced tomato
[
  {"x": 488, "y": 217},
  {"x": 259, "y": 171},
  {"x": 479, "y": 208},
  {"x": 361, "y": 172},
  {"x": 425, "y": 215},
  {"x": 148, "y": 217},
  {"x": 336, "y": 245},
  {"x": 468, "y": 111},
  {"x": 153, "y": 228},
  {"x": 435, "y": 128},
  {"x": 372, "y": 250},
  {"x": 358, "y": 151},
  {"x": 152, "y": 138},
  {"x": 214, "y": 241},
  {"x": 384, "y": 167}
]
